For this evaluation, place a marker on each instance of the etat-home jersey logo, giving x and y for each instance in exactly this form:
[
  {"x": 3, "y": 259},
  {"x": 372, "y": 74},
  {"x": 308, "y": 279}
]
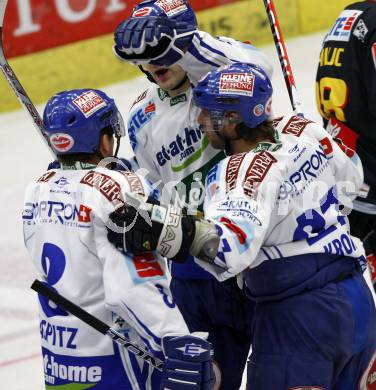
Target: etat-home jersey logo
[
  {"x": 341, "y": 31},
  {"x": 237, "y": 84},
  {"x": 183, "y": 149},
  {"x": 89, "y": 102}
]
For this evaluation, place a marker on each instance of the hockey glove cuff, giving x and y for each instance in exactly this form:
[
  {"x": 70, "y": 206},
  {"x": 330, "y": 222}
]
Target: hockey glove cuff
[{"x": 189, "y": 362}]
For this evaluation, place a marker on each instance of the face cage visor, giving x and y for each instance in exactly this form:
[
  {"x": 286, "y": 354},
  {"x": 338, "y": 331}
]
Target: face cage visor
[
  {"x": 117, "y": 125},
  {"x": 217, "y": 119}
]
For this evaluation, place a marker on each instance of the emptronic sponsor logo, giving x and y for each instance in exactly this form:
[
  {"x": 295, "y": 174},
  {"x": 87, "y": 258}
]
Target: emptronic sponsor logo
[
  {"x": 138, "y": 120},
  {"x": 182, "y": 146},
  {"x": 55, "y": 212},
  {"x": 58, "y": 373},
  {"x": 311, "y": 168}
]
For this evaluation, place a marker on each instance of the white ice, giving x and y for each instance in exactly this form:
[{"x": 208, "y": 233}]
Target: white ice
[{"x": 23, "y": 157}]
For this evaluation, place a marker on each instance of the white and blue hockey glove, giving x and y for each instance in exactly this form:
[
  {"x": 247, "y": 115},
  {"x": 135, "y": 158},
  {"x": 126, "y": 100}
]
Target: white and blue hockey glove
[
  {"x": 164, "y": 228},
  {"x": 188, "y": 363},
  {"x": 154, "y": 40},
  {"x": 167, "y": 229}
]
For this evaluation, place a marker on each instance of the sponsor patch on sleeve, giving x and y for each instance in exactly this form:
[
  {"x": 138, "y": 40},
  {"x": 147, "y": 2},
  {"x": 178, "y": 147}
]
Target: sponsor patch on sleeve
[
  {"x": 89, "y": 102},
  {"x": 237, "y": 84},
  {"x": 341, "y": 30}
]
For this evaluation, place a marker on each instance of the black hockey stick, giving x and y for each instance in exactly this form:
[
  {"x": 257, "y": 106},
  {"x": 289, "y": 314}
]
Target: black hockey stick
[
  {"x": 13, "y": 81},
  {"x": 96, "y": 323},
  {"x": 283, "y": 57}
]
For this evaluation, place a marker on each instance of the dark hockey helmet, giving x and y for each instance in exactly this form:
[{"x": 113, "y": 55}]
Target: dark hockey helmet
[
  {"x": 243, "y": 88},
  {"x": 73, "y": 120}
]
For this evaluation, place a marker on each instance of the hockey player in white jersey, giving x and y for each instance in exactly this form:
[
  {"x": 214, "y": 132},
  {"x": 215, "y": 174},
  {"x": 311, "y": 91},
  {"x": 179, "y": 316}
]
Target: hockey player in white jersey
[
  {"x": 272, "y": 220},
  {"x": 64, "y": 218},
  {"x": 168, "y": 142}
]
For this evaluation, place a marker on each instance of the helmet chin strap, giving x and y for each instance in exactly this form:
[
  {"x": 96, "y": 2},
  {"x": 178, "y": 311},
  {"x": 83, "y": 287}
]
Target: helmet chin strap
[
  {"x": 118, "y": 138},
  {"x": 99, "y": 154}
]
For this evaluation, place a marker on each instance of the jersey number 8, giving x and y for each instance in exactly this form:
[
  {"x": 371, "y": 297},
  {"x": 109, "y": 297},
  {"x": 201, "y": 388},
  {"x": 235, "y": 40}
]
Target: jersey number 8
[{"x": 331, "y": 97}]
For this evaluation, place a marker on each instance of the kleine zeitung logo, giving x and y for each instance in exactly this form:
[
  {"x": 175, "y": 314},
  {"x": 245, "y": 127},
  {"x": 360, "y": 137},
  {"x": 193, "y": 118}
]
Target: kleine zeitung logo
[{"x": 237, "y": 83}]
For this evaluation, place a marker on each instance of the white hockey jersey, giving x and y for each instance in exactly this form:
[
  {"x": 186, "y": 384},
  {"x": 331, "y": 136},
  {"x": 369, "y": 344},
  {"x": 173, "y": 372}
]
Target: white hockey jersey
[
  {"x": 165, "y": 135},
  {"x": 282, "y": 199},
  {"x": 64, "y": 220}
]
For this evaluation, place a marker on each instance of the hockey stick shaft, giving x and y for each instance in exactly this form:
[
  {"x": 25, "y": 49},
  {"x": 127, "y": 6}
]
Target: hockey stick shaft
[
  {"x": 96, "y": 323},
  {"x": 16, "y": 86},
  {"x": 283, "y": 57}
]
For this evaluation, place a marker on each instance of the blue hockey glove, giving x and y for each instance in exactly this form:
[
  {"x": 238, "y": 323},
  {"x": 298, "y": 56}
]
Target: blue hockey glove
[
  {"x": 189, "y": 362},
  {"x": 154, "y": 40}
]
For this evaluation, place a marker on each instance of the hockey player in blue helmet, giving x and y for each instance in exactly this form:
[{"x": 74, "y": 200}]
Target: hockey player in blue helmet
[
  {"x": 237, "y": 98},
  {"x": 75, "y": 122},
  {"x": 167, "y": 140},
  {"x": 65, "y": 214},
  {"x": 273, "y": 221}
]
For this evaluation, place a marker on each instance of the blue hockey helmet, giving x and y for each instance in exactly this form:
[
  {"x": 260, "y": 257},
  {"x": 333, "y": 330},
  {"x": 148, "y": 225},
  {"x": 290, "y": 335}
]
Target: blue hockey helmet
[
  {"x": 178, "y": 10},
  {"x": 74, "y": 119},
  {"x": 243, "y": 88}
]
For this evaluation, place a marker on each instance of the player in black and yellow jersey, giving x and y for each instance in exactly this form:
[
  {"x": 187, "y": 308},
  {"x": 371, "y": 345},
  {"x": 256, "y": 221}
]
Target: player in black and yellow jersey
[{"x": 346, "y": 99}]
